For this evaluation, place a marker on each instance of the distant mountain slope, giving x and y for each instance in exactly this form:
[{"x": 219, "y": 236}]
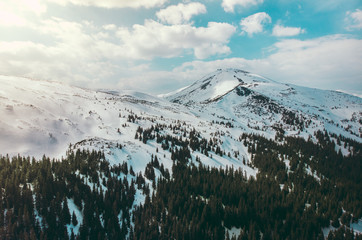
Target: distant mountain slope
[
  {"x": 41, "y": 117},
  {"x": 263, "y": 105},
  {"x": 45, "y": 117}
]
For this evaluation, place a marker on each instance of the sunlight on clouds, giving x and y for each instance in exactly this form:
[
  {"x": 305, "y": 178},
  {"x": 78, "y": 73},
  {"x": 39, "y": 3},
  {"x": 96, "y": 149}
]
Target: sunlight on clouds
[
  {"x": 23, "y": 58},
  {"x": 86, "y": 53},
  {"x": 255, "y": 23},
  {"x": 154, "y": 39},
  {"x": 11, "y": 19},
  {"x": 35, "y": 6},
  {"x": 229, "y": 5},
  {"x": 23, "y": 6},
  {"x": 113, "y": 3},
  {"x": 77, "y": 54},
  {"x": 16, "y": 13},
  {"x": 181, "y": 13}
]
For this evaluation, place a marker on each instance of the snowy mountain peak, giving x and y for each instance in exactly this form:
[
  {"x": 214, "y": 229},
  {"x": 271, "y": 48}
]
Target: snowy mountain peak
[
  {"x": 258, "y": 103},
  {"x": 216, "y": 85}
]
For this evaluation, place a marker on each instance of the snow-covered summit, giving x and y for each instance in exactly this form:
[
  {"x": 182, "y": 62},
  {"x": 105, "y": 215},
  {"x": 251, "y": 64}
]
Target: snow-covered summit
[{"x": 215, "y": 85}]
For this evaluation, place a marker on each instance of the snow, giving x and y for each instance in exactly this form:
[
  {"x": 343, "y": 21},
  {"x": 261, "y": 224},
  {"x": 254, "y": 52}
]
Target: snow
[
  {"x": 36, "y": 214},
  {"x": 357, "y": 227},
  {"x": 223, "y": 87},
  {"x": 327, "y": 230},
  {"x": 139, "y": 198},
  {"x": 46, "y": 117},
  {"x": 171, "y": 93},
  {"x": 309, "y": 171},
  {"x": 330, "y": 110},
  {"x": 233, "y": 232},
  {"x": 73, "y": 208}
]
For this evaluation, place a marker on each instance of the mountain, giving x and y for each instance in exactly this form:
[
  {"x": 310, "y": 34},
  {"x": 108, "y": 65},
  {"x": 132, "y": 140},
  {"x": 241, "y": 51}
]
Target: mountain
[
  {"x": 42, "y": 117},
  {"x": 233, "y": 156},
  {"x": 47, "y": 117},
  {"x": 258, "y": 104}
]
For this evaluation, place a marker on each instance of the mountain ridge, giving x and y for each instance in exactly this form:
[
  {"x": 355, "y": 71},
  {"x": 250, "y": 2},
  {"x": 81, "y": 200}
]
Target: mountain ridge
[
  {"x": 252, "y": 93},
  {"x": 55, "y": 115}
]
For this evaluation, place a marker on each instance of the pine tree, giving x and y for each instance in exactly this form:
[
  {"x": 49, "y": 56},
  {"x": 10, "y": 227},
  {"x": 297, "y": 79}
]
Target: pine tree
[
  {"x": 74, "y": 219},
  {"x": 66, "y": 215}
]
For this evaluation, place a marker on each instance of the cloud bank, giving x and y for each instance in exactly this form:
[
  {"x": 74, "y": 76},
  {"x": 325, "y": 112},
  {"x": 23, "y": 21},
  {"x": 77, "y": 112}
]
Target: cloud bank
[{"x": 112, "y": 3}]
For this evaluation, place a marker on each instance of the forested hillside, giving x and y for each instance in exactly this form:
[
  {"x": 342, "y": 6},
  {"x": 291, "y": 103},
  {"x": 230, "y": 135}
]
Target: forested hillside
[{"x": 301, "y": 189}]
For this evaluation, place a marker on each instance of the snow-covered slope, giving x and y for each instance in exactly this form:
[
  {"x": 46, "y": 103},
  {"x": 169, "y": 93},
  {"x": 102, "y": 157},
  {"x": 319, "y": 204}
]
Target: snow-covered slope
[
  {"x": 262, "y": 105},
  {"x": 45, "y": 117},
  {"x": 39, "y": 117}
]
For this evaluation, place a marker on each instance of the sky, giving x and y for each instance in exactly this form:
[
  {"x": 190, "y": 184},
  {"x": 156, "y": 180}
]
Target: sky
[{"x": 158, "y": 46}]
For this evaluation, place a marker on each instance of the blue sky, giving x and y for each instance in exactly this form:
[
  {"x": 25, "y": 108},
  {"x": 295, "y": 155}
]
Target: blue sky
[{"x": 157, "y": 46}]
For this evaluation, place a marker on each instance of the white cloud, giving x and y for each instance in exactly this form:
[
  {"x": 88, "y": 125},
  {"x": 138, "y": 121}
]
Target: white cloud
[
  {"x": 281, "y": 31},
  {"x": 229, "y": 5},
  {"x": 110, "y": 27},
  {"x": 181, "y": 13},
  {"x": 112, "y": 3},
  {"x": 80, "y": 40},
  {"x": 354, "y": 20},
  {"x": 74, "y": 55},
  {"x": 325, "y": 62},
  {"x": 255, "y": 23},
  {"x": 154, "y": 39},
  {"x": 17, "y": 13},
  {"x": 96, "y": 56},
  {"x": 11, "y": 19},
  {"x": 35, "y": 6}
]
